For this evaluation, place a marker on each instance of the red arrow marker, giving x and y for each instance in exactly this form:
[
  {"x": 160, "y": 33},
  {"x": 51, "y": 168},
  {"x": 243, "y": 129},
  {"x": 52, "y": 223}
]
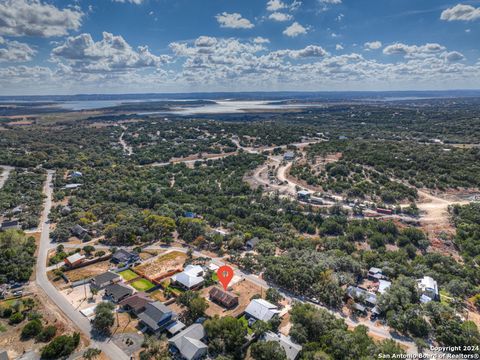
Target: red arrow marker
[{"x": 225, "y": 275}]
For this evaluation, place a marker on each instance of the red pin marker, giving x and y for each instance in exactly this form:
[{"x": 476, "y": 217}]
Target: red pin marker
[{"x": 225, "y": 275}]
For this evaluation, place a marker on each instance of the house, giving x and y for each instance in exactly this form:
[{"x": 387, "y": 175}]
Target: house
[
  {"x": 76, "y": 174},
  {"x": 8, "y": 225},
  {"x": 188, "y": 343},
  {"x": 223, "y": 298},
  {"x": 79, "y": 231},
  {"x": 303, "y": 195},
  {"x": 429, "y": 289},
  {"x": 136, "y": 303},
  {"x": 103, "y": 280},
  {"x": 74, "y": 260},
  {"x": 66, "y": 210},
  {"x": 118, "y": 292},
  {"x": 157, "y": 316},
  {"x": 3, "y": 355},
  {"x": 289, "y": 156},
  {"x": 383, "y": 286},
  {"x": 292, "y": 350},
  {"x": 260, "y": 309},
  {"x": 122, "y": 256},
  {"x": 190, "y": 278},
  {"x": 384, "y": 211},
  {"x": 252, "y": 243},
  {"x": 375, "y": 274},
  {"x": 72, "y": 186},
  {"x": 362, "y": 295}
]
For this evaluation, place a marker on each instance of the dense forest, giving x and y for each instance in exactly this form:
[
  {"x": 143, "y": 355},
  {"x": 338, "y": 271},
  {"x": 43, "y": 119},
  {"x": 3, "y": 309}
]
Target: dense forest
[
  {"x": 16, "y": 256},
  {"x": 432, "y": 166},
  {"x": 21, "y": 197}
]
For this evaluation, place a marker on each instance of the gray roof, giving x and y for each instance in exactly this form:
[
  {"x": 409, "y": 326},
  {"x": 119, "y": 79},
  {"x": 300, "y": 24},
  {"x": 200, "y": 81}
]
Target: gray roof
[
  {"x": 291, "y": 349},
  {"x": 357, "y": 293},
  {"x": 118, "y": 291},
  {"x": 188, "y": 342},
  {"x": 3, "y": 355},
  {"x": 155, "y": 313},
  {"x": 105, "y": 278},
  {"x": 123, "y": 255}
]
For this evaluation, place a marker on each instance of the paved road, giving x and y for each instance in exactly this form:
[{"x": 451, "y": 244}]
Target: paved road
[
  {"x": 108, "y": 347},
  {"x": 4, "y": 174}
]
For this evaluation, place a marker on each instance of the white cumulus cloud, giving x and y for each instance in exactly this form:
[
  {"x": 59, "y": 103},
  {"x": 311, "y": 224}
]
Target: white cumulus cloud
[
  {"x": 137, "y": 2},
  {"x": 279, "y": 16},
  {"x": 275, "y": 5},
  {"x": 294, "y": 30},
  {"x": 461, "y": 12},
  {"x": 372, "y": 45},
  {"x": 36, "y": 18},
  {"x": 14, "y": 51},
  {"x": 111, "y": 54},
  {"x": 233, "y": 21}
]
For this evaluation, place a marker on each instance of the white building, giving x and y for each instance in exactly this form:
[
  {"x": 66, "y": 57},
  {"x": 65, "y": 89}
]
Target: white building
[
  {"x": 191, "y": 277},
  {"x": 429, "y": 289},
  {"x": 261, "y": 310}
]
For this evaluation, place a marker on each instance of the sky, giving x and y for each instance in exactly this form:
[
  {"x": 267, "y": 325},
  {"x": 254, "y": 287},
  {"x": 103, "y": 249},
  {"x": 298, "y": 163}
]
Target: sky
[{"x": 138, "y": 46}]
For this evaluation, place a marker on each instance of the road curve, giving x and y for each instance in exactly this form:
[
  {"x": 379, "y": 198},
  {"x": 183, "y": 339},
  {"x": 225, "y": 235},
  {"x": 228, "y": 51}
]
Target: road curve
[
  {"x": 111, "y": 350},
  {"x": 4, "y": 174}
]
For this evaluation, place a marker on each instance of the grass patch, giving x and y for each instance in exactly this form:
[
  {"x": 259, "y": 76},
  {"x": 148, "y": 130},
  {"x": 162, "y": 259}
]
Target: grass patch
[
  {"x": 128, "y": 275},
  {"x": 142, "y": 285},
  {"x": 244, "y": 321},
  {"x": 3, "y": 328}
]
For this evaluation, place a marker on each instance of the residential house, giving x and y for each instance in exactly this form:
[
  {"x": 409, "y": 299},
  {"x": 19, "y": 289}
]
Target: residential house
[
  {"x": 252, "y": 243},
  {"x": 289, "y": 156},
  {"x": 74, "y": 260},
  {"x": 362, "y": 296},
  {"x": 72, "y": 186},
  {"x": 188, "y": 343},
  {"x": 76, "y": 174},
  {"x": 375, "y": 274},
  {"x": 79, "y": 231},
  {"x": 157, "y": 316},
  {"x": 383, "y": 286},
  {"x": 136, "y": 303},
  {"x": 260, "y": 309},
  {"x": 118, "y": 292},
  {"x": 292, "y": 350},
  {"x": 190, "y": 278},
  {"x": 303, "y": 195},
  {"x": 122, "y": 256},
  {"x": 8, "y": 225},
  {"x": 429, "y": 289},
  {"x": 103, "y": 280},
  {"x": 223, "y": 298}
]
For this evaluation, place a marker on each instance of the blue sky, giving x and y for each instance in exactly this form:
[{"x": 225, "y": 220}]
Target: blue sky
[{"x": 117, "y": 46}]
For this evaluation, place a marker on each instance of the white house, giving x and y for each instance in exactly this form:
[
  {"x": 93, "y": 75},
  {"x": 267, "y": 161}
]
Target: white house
[
  {"x": 260, "y": 309},
  {"x": 292, "y": 350},
  {"x": 429, "y": 289},
  {"x": 191, "y": 277}
]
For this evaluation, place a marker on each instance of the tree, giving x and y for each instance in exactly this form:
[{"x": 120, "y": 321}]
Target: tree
[
  {"x": 274, "y": 296},
  {"x": 160, "y": 226},
  {"x": 226, "y": 335},
  {"x": 89, "y": 249},
  {"x": 195, "y": 305},
  {"x": 155, "y": 349},
  {"x": 16, "y": 318},
  {"x": 91, "y": 353},
  {"x": 31, "y": 329},
  {"x": 47, "y": 333},
  {"x": 104, "y": 318},
  {"x": 61, "y": 346},
  {"x": 268, "y": 350}
]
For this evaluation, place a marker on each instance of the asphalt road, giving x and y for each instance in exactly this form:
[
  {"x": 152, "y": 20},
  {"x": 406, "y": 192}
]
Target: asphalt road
[{"x": 108, "y": 347}]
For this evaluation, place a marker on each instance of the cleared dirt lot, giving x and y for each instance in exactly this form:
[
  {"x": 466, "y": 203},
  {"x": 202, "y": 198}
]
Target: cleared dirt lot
[
  {"x": 88, "y": 271},
  {"x": 243, "y": 289},
  {"x": 162, "y": 266}
]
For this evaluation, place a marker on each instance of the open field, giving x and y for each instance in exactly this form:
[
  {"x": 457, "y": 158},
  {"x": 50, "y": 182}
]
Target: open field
[
  {"x": 88, "y": 271},
  {"x": 163, "y": 265}
]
